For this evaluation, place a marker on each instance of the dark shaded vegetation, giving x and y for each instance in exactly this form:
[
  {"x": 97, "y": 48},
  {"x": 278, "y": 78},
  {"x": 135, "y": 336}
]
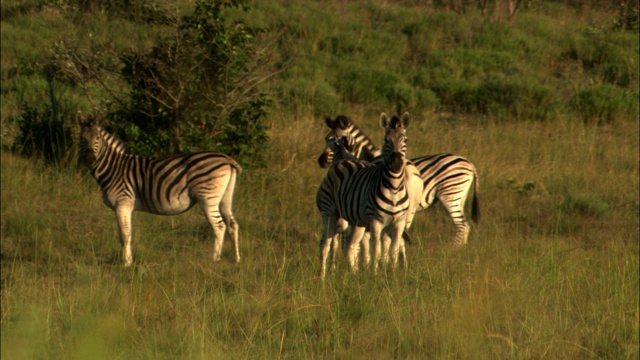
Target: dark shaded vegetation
[{"x": 193, "y": 88}]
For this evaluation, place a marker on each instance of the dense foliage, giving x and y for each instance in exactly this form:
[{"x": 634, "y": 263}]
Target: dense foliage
[
  {"x": 194, "y": 88},
  {"x": 185, "y": 77}
]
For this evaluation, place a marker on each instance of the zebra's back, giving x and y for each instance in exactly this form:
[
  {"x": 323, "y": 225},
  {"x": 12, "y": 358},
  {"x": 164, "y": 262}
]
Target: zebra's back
[
  {"x": 444, "y": 173},
  {"x": 172, "y": 185}
]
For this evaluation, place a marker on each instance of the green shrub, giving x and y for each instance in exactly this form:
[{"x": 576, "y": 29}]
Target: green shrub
[
  {"x": 298, "y": 93},
  {"x": 607, "y": 56},
  {"x": 42, "y": 134},
  {"x": 361, "y": 84},
  {"x": 515, "y": 98},
  {"x": 604, "y": 103},
  {"x": 45, "y": 124},
  {"x": 188, "y": 90},
  {"x": 502, "y": 97}
]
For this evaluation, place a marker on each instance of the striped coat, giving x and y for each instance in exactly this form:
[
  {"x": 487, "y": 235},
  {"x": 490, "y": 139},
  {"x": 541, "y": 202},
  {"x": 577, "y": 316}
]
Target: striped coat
[
  {"x": 161, "y": 185},
  {"x": 447, "y": 178},
  {"x": 368, "y": 194}
]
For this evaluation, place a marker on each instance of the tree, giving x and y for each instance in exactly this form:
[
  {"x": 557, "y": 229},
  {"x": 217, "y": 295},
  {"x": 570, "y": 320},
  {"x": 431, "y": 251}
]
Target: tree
[{"x": 196, "y": 88}]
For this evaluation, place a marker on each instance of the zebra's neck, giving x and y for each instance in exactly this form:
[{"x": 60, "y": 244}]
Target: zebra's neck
[
  {"x": 363, "y": 146},
  {"x": 343, "y": 154},
  {"x": 394, "y": 179},
  {"x": 112, "y": 150}
]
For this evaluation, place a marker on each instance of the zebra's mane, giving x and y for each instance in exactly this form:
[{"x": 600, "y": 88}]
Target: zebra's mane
[
  {"x": 115, "y": 143},
  {"x": 120, "y": 147},
  {"x": 364, "y": 144},
  {"x": 366, "y": 140}
]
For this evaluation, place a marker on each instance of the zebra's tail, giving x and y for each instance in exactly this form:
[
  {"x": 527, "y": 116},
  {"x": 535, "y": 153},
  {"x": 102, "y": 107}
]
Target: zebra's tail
[
  {"x": 234, "y": 164},
  {"x": 475, "y": 203}
]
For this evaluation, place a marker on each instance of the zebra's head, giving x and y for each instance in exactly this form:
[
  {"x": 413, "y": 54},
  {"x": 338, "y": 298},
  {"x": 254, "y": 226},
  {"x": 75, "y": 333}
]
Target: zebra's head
[
  {"x": 341, "y": 128},
  {"x": 95, "y": 142},
  {"x": 395, "y": 140},
  {"x": 90, "y": 141},
  {"x": 339, "y": 149}
]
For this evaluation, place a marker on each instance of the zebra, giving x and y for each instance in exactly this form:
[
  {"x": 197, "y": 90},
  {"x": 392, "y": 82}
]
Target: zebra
[
  {"x": 161, "y": 185},
  {"x": 339, "y": 146},
  {"x": 368, "y": 194},
  {"x": 447, "y": 178}
]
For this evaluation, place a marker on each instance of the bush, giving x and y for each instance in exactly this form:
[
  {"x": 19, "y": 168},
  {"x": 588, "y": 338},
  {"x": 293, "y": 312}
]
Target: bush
[
  {"x": 361, "y": 84},
  {"x": 606, "y": 56},
  {"x": 515, "y": 98},
  {"x": 502, "y": 97},
  {"x": 43, "y": 134},
  {"x": 196, "y": 89},
  {"x": 298, "y": 92},
  {"x": 604, "y": 103}
]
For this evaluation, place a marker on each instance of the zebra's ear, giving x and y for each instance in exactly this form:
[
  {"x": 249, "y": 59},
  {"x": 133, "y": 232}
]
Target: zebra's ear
[
  {"x": 384, "y": 120},
  {"x": 84, "y": 122},
  {"x": 342, "y": 122},
  {"x": 99, "y": 120},
  {"x": 405, "y": 120},
  {"x": 330, "y": 123}
]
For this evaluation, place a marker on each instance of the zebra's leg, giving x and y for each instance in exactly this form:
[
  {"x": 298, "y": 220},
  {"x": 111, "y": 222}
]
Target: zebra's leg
[
  {"x": 124, "y": 214},
  {"x": 366, "y": 242},
  {"x": 211, "y": 210},
  {"x": 341, "y": 227},
  {"x": 328, "y": 236},
  {"x": 403, "y": 253},
  {"x": 219, "y": 228},
  {"x": 386, "y": 244},
  {"x": 354, "y": 247},
  {"x": 227, "y": 214},
  {"x": 397, "y": 242},
  {"x": 376, "y": 233},
  {"x": 455, "y": 207}
]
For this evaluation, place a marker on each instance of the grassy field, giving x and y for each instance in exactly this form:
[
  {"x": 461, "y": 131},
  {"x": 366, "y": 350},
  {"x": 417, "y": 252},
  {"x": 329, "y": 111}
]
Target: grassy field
[
  {"x": 545, "y": 106},
  {"x": 550, "y": 272}
]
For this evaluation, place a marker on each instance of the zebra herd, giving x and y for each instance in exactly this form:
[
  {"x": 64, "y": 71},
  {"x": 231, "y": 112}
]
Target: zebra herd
[{"x": 374, "y": 192}]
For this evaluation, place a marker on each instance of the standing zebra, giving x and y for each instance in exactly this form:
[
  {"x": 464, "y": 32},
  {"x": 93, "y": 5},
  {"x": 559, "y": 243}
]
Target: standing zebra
[
  {"x": 368, "y": 194},
  {"x": 339, "y": 145},
  {"x": 161, "y": 185},
  {"x": 447, "y": 178}
]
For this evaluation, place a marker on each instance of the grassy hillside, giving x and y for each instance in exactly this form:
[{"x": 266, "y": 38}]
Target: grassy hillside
[
  {"x": 550, "y": 61},
  {"x": 551, "y": 271}
]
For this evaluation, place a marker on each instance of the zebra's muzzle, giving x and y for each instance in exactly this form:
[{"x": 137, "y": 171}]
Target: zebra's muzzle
[
  {"x": 324, "y": 159},
  {"x": 396, "y": 161}
]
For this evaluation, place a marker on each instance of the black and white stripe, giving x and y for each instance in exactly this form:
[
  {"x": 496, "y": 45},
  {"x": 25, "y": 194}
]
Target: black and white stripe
[
  {"x": 161, "y": 185},
  {"x": 447, "y": 178},
  {"x": 368, "y": 194},
  {"x": 358, "y": 144}
]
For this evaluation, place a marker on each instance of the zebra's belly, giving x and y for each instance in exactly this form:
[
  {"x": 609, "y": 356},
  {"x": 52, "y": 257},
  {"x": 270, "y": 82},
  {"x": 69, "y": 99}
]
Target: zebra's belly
[{"x": 173, "y": 206}]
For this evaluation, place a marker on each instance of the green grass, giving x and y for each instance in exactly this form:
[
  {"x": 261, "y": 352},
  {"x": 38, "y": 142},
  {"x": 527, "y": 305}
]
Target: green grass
[{"x": 544, "y": 275}]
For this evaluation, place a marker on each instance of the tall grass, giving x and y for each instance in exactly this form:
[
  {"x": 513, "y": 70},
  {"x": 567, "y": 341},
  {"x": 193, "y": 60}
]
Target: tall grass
[
  {"x": 544, "y": 106},
  {"x": 541, "y": 276}
]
